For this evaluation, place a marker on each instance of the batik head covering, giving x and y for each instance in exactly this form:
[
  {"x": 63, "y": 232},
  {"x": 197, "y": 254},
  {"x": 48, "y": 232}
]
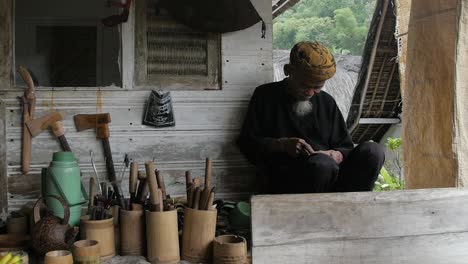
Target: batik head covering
[{"x": 312, "y": 59}]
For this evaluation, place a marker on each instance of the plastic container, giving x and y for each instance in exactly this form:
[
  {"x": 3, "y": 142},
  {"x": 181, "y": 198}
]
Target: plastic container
[
  {"x": 239, "y": 216},
  {"x": 63, "y": 178}
]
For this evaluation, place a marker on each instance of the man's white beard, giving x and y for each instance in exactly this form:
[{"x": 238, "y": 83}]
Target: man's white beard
[{"x": 302, "y": 108}]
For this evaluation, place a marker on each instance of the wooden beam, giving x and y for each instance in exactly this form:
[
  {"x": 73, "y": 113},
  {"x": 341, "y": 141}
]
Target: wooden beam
[
  {"x": 371, "y": 62},
  {"x": 127, "y": 63},
  {"x": 377, "y": 83},
  {"x": 6, "y": 66},
  {"x": 281, "y": 6},
  {"x": 382, "y": 104},
  {"x": 419, "y": 226},
  {"x": 379, "y": 121},
  {"x": 6, "y": 43},
  {"x": 363, "y": 134}
]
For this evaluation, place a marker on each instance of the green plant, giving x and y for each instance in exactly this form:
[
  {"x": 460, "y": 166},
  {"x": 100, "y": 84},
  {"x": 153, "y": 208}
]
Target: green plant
[{"x": 390, "y": 177}]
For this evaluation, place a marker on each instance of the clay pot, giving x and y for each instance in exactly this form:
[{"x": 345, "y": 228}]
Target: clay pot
[{"x": 50, "y": 232}]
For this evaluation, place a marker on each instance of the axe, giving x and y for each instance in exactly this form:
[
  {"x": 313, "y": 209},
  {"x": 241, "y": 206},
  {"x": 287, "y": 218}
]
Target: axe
[
  {"x": 100, "y": 122},
  {"x": 28, "y": 102},
  {"x": 52, "y": 120}
]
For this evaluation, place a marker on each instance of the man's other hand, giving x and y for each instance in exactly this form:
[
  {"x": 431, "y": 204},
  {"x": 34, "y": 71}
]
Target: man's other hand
[
  {"x": 294, "y": 146},
  {"x": 334, "y": 154}
]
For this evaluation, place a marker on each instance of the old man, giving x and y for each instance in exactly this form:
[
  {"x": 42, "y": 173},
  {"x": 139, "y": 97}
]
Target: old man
[{"x": 296, "y": 136}]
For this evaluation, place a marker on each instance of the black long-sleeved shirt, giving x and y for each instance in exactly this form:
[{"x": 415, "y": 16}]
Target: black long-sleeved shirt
[{"x": 270, "y": 116}]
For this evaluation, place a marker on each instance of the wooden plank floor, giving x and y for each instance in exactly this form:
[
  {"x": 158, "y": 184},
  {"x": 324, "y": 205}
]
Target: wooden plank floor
[{"x": 417, "y": 226}]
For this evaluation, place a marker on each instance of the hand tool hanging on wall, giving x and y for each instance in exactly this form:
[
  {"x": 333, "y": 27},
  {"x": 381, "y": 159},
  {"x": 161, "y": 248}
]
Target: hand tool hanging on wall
[
  {"x": 101, "y": 123},
  {"x": 53, "y": 121},
  {"x": 29, "y": 104}
]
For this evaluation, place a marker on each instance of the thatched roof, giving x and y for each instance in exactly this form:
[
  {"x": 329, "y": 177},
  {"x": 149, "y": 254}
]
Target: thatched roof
[
  {"x": 341, "y": 86},
  {"x": 376, "y": 103}
]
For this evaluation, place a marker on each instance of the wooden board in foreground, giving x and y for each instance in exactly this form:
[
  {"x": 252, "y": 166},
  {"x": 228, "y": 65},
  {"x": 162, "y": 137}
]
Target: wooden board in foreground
[{"x": 417, "y": 226}]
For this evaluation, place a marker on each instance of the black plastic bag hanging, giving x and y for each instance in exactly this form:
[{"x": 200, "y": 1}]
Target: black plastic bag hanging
[
  {"x": 219, "y": 16},
  {"x": 159, "y": 111}
]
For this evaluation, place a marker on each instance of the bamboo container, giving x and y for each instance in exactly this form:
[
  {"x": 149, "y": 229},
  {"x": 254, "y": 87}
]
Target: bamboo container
[
  {"x": 198, "y": 234},
  {"x": 86, "y": 252},
  {"x": 162, "y": 237},
  {"x": 229, "y": 249},
  {"x": 132, "y": 233},
  {"x": 102, "y": 231},
  {"x": 17, "y": 224},
  {"x": 114, "y": 211},
  {"x": 58, "y": 257}
]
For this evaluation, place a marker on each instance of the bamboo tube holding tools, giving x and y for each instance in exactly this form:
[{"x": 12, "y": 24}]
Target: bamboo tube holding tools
[
  {"x": 199, "y": 219},
  {"x": 198, "y": 234},
  {"x": 162, "y": 237},
  {"x": 132, "y": 233},
  {"x": 101, "y": 231},
  {"x": 161, "y": 226}
]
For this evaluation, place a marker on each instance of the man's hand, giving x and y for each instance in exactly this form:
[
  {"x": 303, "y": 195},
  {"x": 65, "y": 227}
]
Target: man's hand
[
  {"x": 293, "y": 146},
  {"x": 334, "y": 154}
]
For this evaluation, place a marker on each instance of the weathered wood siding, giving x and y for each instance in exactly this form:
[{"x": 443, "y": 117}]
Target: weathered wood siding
[
  {"x": 207, "y": 122},
  {"x": 411, "y": 227},
  {"x": 430, "y": 148}
]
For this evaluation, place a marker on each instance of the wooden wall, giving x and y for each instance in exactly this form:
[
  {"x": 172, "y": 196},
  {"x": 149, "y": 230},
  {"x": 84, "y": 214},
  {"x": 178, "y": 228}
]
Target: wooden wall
[{"x": 207, "y": 122}]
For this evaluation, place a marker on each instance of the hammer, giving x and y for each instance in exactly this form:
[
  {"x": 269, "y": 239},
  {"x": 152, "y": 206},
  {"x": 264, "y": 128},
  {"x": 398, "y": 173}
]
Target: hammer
[
  {"x": 52, "y": 120},
  {"x": 101, "y": 123}
]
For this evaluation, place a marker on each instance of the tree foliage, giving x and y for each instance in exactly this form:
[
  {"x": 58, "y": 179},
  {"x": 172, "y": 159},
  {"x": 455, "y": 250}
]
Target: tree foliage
[{"x": 341, "y": 25}]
